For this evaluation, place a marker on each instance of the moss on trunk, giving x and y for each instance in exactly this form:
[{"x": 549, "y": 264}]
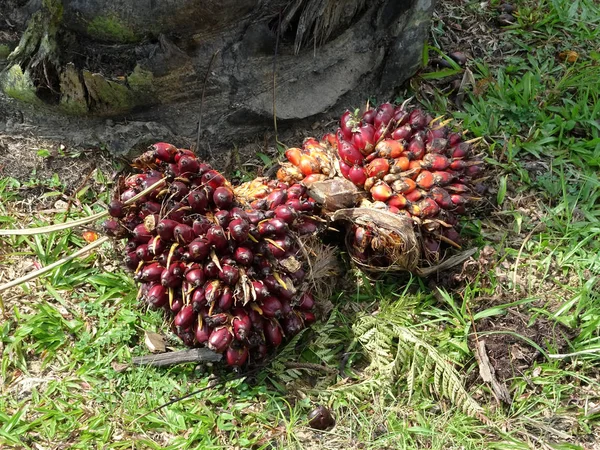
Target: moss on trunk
[
  {"x": 36, "y": 59},
  {"x": 109, "y": 28},
  {"x": 18, "y": 84}
]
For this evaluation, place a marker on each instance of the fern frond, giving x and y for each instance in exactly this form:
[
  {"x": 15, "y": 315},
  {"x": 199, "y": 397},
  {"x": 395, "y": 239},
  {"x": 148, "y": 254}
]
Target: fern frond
[
  {"x": 410, "y": 379},
  {"x": 394, "y": 349}
]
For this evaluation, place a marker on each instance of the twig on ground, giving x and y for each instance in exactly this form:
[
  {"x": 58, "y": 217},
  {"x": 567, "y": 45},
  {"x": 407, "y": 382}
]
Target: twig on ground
[
  {"x": 178, "y": 357},
  {"x": 447, "y": 264},
  {"x": 487, "y": 372},
  {"x": 74, "y": 195}
]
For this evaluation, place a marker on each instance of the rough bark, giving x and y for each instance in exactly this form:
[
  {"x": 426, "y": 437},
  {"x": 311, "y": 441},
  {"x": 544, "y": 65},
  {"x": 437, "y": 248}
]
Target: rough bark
[{"x": 129, "y": 72}]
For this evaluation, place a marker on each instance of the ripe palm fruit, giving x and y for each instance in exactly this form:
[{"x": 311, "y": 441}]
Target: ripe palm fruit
[
  {"x": 349, "y": 153},
  {"x": 416, "y": 148},
  {"x": 441, "y": 197},
  {"x": 357, "y": 174},
  {"x": 378, "y": 168},
  {"x": 435, "y": 161},
  {"x": 404, "y": 185},
  {"x": 219, "y": 339},
  {"x": 185, "y": 317},
  {"x": 293, "y": 155},
  {"x": 383, "y": 115},
  {"x": 402, "y": 133},
  {"x": 320, "y": 418},
  {"x": 364, "y": 138},
  {"x": 389, "y": 148},
  {"x": 425, "y": 180},
  {"x": 236, "y": 356},
  {"x": 381, "y": 191},
  {"x": 347, "y": 123},
  {"x": 398, "y": 201},
  {"x": 417, "y": 119},
  {"x": 273, "y": 333},
  {"x": 425, "y": 208},
  {"x": 309, "y": 165}
]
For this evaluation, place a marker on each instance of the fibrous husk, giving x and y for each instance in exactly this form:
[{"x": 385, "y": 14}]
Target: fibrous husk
[
  {"x": 323, "y": 272},
  {"x": 394, "y": 237},
  {"x": 252, "y": 190},
  {"x": 318, "y": 19}
]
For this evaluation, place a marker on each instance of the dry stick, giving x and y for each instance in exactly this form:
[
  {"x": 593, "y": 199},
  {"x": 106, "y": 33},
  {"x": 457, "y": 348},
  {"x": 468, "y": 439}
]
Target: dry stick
[
  {"x": 43, "y": 270},
  {"x": 203, "y": 153},
  {"x": 51, "y": 228},
  {"x": 172, "y": 358},
  {"x": 75, "y": 223},
  {"x": 448, "y": 263},
  {"x": 198, "y": 355},
  {"x": 488, "y": 374}
]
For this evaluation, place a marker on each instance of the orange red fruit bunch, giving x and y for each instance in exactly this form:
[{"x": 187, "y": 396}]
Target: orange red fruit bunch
[{"x": 408, "y": 162}]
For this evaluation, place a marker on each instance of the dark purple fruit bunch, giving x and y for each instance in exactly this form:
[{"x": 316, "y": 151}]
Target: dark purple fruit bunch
[{"x": 223, "y": 263}]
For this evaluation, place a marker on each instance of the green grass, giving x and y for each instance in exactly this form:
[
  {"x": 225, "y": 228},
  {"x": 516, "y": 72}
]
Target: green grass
[{"x": 63, "y": 336}]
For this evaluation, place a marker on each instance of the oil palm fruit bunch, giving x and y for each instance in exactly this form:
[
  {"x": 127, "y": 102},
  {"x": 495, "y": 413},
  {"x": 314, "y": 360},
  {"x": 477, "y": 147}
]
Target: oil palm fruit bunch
[
  {"x": 224, "y": 266},
  {"x": 408, "y": 163}
]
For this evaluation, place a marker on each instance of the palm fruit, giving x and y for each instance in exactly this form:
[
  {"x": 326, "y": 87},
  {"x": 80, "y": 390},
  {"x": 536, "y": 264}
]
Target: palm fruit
[
  {"x": 222, "y": 262},
  {"x": 413, "y": 163}
]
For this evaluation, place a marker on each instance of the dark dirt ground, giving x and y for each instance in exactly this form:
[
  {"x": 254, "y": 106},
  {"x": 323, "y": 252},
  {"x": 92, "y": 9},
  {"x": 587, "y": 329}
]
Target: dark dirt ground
[
  {"x": 511, "y": 356},
  {"x": 19, "y": 159},
  {"x": 19, "y": 156}
]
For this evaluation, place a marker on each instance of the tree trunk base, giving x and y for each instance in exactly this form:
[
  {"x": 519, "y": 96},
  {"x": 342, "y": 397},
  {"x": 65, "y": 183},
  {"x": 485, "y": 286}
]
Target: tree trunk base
[{"x": 73, "y": 72}]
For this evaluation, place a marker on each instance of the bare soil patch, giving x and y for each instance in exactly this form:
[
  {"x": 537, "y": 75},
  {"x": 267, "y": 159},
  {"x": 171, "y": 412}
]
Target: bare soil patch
[{"x": 509, "y": 352}]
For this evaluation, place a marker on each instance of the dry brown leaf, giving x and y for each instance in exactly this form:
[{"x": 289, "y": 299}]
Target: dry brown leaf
[
  {"x": 335, "y": 193},
  {"x": 154, "y": 342},
  {"x": 569, "y": 56},
  {"x": 119, "y": 367}
]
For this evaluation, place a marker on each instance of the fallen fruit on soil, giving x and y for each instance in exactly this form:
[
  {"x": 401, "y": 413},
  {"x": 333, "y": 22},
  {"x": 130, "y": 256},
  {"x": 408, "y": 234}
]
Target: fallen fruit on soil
[{"x": 320, "y": 418}]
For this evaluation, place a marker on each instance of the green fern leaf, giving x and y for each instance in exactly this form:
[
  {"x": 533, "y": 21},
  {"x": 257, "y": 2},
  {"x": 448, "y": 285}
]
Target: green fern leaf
[{"x": 394, "y": 349}]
